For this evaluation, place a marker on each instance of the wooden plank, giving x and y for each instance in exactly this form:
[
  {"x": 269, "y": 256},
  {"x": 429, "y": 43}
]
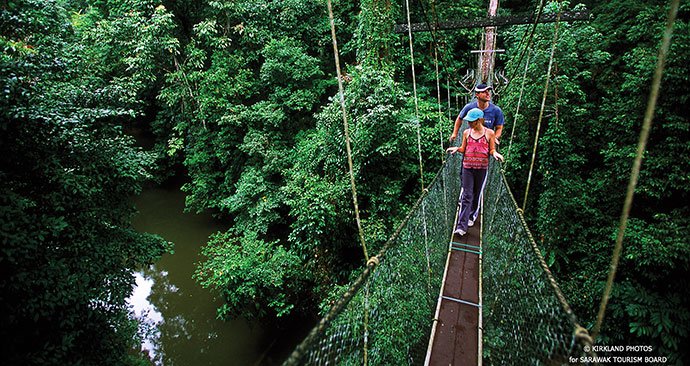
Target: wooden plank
[{"x": 456, "y": 337}]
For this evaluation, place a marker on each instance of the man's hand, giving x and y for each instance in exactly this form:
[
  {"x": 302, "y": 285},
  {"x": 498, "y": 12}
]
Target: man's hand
[{"x": 452, "y": 138}]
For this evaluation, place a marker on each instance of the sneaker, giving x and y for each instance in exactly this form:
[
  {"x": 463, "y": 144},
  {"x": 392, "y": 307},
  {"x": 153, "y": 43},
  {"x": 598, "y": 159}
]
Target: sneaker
[
  {"x": 460, "y": 232},
  {"x": 470, "y": 223}
]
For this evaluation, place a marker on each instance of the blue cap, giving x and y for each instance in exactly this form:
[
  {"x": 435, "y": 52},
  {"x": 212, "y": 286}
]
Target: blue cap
[
  {"x": 482, "y": 87},
  {"x": 474, "y": 114}
]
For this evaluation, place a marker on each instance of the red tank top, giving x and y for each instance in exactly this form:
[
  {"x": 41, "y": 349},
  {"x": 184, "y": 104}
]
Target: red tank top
[{"x": 476, "y": 152}]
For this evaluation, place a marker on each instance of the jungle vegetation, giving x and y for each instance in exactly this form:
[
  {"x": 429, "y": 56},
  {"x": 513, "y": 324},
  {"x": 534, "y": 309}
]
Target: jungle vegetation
[{"x": 242, "y": 97}]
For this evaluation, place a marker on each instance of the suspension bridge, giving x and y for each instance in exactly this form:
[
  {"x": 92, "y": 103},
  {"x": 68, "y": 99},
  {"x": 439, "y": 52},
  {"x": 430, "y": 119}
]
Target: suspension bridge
[{"x": 430, "y": 297}]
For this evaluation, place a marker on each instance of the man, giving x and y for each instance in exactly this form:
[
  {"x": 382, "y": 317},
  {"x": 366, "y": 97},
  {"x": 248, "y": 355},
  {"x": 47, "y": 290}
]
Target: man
[
  {"x": 494, "y": 120},
  {"x": 493, "y": 115}
]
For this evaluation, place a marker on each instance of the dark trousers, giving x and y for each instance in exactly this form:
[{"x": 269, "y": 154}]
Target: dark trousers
[{"x": 473, "y": 181}]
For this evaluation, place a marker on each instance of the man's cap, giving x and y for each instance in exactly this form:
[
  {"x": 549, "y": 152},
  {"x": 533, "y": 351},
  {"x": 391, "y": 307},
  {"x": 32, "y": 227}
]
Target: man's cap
[
  {"x": 482, "y": 87},
  {"x": 474, "y": 114}
]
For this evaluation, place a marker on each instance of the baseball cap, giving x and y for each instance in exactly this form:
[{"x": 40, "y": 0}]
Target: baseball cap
[
  {"x": 482, "y": 87},
  {"x": 474, "y": 114}
]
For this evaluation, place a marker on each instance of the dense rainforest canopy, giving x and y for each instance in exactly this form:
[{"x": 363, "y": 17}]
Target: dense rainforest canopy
[{"x": 241, "y": 96}]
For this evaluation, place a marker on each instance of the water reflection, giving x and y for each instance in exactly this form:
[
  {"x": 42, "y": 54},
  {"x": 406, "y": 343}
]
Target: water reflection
[
  {"x": 178, "y": 316},
  {"x": 148, "y": 316}
]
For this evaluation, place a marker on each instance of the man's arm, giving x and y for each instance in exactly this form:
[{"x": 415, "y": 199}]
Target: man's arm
[
  {"x": 454, "y": 135},
  {"x": 499, "y": 125},
  {"x": 499, "y": 131},
  {"x": 458, "y": 122}
]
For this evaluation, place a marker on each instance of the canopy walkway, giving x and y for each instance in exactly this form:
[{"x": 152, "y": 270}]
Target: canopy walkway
[
  {"x": 428, "y": 298},
  {"x": 515, "y": 315}
]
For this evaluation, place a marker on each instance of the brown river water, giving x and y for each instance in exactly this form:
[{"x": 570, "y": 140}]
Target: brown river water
[{"x": 179, "y": 316}]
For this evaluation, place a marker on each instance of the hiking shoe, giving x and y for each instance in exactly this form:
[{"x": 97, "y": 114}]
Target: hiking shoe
[
  {"x": 460, "y": 232},
  {"x": 470, "y": 223}
]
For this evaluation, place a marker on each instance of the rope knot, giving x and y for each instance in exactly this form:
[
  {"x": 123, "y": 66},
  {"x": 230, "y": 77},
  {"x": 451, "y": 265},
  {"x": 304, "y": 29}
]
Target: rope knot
[
  {"x": 520, "y": 212},
  {"x": 373, "y": 261},
  {"x": 582, "y": 334}
]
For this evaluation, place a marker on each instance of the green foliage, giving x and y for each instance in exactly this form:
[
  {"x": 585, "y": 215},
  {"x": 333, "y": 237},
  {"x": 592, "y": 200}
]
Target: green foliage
[
  {"x": 244, "y": 96},
  {"x": 256, "y": 278},
  {"x": 383, "y": 162},
  {"x": 68, "y": 171},
  {"x": 653, "y": 318},
  {"x": 240, "y": 108},
  {"x": 588, "y": 141}
]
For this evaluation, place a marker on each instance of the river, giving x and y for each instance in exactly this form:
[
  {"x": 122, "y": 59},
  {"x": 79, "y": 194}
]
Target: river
[{"x": 180, "y": 315}]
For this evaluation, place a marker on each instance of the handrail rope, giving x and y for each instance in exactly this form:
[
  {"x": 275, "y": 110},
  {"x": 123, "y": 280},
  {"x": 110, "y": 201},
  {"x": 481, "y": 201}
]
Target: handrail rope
[
  {"x": 347, "y": 132},
  {"x": 414, "y": 89},
  {"x": 517, "y": 111},
  {"x": 543, "y": 105},
  {"x": 635, "y": 173},
  {"x": 582, "y": 333},
  {"x": 372, "y": 263}
]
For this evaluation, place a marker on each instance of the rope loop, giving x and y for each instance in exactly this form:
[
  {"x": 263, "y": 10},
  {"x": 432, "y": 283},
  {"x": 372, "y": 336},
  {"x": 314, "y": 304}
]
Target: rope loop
[
  {"x": 373, "y": 261},
  {"x": 582, "y": 335}
]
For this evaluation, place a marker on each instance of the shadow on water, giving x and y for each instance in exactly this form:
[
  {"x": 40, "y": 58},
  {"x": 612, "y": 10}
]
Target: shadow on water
[{"x": 177, "y": 314}]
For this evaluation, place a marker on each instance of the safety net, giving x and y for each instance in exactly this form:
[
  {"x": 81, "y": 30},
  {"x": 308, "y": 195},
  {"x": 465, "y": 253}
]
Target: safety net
[
  {"x": 526, "y": 320},
  {"x": 386, "y": 316}
]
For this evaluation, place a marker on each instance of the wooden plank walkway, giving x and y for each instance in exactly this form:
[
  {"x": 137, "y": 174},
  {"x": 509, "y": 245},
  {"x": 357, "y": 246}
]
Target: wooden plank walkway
[{"x": 455, "y": 337}]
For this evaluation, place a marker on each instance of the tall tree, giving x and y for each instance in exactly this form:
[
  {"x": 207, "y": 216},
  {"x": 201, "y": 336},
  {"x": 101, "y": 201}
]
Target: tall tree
[
  {"x": 68, "y": 171},
  {"x": 595, "y": 108}
]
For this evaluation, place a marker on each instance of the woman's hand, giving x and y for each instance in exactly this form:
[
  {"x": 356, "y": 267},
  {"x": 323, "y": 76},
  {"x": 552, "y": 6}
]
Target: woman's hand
[
  {"x": 498, "y": 156},
  {"x": 453, "y": 149}
]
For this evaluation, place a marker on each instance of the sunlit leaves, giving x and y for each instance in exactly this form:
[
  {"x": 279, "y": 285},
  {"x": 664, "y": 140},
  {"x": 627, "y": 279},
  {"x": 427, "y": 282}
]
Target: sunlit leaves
[{"x": 250, "y": 273}]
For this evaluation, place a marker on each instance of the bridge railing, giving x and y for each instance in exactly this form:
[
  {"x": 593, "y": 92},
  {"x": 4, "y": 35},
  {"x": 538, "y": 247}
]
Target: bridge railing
[
  {"x": 385, "y": 317},
  {"x": 526, "y": 319}
]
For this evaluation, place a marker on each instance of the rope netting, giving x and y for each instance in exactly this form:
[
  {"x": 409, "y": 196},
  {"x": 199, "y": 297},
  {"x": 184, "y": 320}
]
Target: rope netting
[
  {"x": 386, "y": 316},
  {"x": 526, "y": 318},
  {"x": 399, "y": 289}
]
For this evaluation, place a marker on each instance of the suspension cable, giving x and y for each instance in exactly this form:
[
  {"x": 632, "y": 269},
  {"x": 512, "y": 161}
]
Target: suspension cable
[
  {"x": 347, "y": 131},
  {"x": 540, "y": 10},
  {"x": 414, "y": 89},
  {"x": 517, "y": 110},
  {"x": 438, "y": 101},
  {"x": 635, "y": 173},
  {"x": 543, "y": 104}
]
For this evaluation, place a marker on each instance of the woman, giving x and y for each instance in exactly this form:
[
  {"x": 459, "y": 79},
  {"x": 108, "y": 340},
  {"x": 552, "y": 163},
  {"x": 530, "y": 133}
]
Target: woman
[{"x": 478, "y": 142}]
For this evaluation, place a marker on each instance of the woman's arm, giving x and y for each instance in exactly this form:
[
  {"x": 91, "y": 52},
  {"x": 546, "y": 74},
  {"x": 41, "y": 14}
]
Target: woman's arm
[{"x": 461, "y": 149}]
